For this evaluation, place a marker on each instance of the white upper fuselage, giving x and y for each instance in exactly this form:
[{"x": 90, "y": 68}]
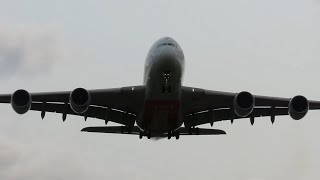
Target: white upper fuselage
[{"x": 162, "y": 78}]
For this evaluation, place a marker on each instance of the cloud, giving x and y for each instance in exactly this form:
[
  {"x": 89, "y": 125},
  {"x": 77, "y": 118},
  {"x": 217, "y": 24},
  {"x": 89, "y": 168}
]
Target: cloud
[
  {"x": 9, "y": 155},
  {"x": 28, "y": 49},
  {"x": 19, "y": 161}
]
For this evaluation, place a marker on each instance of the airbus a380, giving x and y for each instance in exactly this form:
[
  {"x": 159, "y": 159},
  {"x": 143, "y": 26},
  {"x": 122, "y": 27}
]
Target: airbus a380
[{"x": 161, "y": 107}]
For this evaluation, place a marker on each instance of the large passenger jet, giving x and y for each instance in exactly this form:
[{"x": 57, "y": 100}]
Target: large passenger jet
[{"x": 161, "y": 107}]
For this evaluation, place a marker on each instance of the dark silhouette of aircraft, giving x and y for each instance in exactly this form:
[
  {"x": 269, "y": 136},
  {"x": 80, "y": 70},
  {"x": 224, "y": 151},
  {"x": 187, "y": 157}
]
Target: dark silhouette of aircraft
[{"x": 160, "y": 106}]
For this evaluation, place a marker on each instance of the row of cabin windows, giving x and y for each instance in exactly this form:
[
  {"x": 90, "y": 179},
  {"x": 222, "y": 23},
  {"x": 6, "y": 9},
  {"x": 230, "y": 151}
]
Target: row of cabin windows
[{"x": 163, "y": 44}]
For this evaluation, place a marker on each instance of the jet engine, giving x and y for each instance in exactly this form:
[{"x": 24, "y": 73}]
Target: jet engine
[
  {"x": 298, "y": 107},
  {"x": 243, "y": 104},
  {"x": 80, "y": 100},
  {"x": 21, "y": 101}
]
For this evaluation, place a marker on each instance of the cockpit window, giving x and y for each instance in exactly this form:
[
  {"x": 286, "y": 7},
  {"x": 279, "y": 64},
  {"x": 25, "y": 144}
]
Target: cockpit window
[{"x": 163, "y": 44}]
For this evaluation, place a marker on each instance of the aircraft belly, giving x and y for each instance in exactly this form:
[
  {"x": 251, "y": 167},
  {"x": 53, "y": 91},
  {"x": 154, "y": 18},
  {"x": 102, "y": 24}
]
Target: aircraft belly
[
  {"x": 162, "y": 107},
  {"x": 162, "y": 115}
]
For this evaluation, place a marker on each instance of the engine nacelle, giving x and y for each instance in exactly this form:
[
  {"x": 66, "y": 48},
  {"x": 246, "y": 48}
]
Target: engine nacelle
[
  {"x": 21, "y": 101},
  {"x": 80, "y": 100},
  {"x": 243, "y": 104},
  {"x": 298, "y": 107}
]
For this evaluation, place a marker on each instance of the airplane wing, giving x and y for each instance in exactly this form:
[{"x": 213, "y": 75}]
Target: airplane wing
[
  {"x": 118, "y": 105},
  {"x": 201, "y": 106}
]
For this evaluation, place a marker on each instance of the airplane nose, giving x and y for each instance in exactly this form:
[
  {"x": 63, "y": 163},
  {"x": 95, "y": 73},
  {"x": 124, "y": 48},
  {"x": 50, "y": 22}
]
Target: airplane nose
[
  {"x": 168, "y": 52},
  {"x": 168, "y": 58}
]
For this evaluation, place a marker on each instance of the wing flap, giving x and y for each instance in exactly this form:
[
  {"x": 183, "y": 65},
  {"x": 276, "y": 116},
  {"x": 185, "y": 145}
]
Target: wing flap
[
  {"x": 228, "y": 114},
  {"x": 105, "y": 114}
]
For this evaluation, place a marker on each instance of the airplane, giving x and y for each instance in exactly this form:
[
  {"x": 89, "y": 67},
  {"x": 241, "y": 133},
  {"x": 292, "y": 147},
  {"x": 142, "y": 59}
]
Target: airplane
[{"x": 161, "y": 106}]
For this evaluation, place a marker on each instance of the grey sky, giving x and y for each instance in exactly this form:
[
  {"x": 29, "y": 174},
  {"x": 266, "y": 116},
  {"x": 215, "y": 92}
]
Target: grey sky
[{"x": 265, "y": 47}]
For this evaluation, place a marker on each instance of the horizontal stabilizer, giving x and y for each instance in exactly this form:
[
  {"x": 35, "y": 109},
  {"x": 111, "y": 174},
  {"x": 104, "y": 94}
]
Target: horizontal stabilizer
[
  {"x": 135, "y": 131},
  {"x": 203, "y": 131},
  {"x": 111, "y": 129}
]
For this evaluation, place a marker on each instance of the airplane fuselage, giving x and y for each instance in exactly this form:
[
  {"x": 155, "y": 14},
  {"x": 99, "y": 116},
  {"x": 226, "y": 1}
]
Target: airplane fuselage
[{"x": 162, "y": 78}]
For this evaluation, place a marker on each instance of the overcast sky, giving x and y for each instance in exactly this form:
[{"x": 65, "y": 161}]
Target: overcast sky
[{"x": 269, "y": 47}]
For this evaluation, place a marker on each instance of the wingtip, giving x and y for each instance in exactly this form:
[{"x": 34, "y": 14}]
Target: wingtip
[
  {"x": 84, "y": 129},
  {"x": 222, "y": 132}
]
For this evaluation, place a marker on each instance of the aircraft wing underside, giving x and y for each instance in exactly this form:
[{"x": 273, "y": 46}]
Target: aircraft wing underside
[
  {"x": 122, "y": 105},
  {"x": 202, "y": 106},
  {"x": 118, "y": 105}
]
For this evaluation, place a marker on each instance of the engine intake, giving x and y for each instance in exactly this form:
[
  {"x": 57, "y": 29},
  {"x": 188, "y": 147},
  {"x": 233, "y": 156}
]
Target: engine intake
[
  {"x": 80, "y": 100},
  {"x": 243, "y": 104},
  {"x": 298, "y": 107},
  {"x": 21, "y": 101}
]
